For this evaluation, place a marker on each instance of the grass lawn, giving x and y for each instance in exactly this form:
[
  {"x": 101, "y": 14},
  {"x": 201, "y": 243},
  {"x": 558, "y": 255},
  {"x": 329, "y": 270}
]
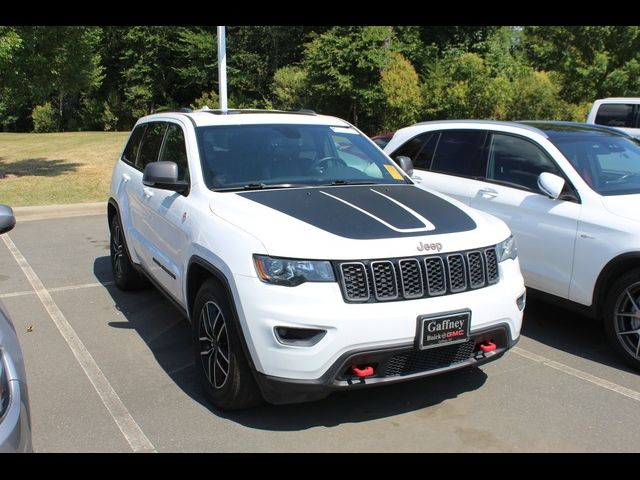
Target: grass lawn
[{"x": 56, "y": 168}]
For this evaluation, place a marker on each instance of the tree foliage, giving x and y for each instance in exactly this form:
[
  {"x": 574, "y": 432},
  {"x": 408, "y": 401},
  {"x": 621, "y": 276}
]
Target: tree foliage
[
  {"x": 401, "y": 87},
  {"x": 378, "y": 77}
]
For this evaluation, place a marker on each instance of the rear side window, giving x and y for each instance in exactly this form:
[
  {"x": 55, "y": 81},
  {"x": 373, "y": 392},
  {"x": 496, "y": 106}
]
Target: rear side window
[
  {"x": 175, "y": 150},
  {"x": 151, "y": 143},
  {"x": 420, "y": 149},
  {"x": 460, "y": 153},
  {"x": 618, "y": 115},
  {"x": 133, "y": 146}
]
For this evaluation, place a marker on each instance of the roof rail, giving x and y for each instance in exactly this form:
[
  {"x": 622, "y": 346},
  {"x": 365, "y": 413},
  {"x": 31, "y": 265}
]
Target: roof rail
[
  {"x": 237, "y": 111},
  {"x": 173, "y": 110}
]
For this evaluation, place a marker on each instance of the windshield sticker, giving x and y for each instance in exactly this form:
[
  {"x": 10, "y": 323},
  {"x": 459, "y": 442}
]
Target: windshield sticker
[
  {"x": 348, "y": 130},
  {"x": 393, "y": 171}
]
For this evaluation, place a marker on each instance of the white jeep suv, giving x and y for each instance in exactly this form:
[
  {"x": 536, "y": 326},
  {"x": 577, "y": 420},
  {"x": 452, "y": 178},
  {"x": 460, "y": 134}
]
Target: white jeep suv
[
  {"x": 305, "y": 259},
  {"x": 570, "y": 193}
]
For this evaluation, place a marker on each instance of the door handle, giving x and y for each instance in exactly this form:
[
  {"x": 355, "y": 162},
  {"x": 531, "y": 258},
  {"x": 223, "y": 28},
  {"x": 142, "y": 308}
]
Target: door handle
[
  {"x": 126, "y": 177},
  {"x": 147, "y": 192},
  {"x": 488, "y": 193}
]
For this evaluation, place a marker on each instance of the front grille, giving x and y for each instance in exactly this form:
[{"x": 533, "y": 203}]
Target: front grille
[
  {"x": 431, "y": 359},
  {"x": 409, "y": 278}
]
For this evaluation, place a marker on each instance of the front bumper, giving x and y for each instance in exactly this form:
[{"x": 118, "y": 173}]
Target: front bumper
[
  {"x": 392, "y": 365},
  {"x": 356, "y": 327}
]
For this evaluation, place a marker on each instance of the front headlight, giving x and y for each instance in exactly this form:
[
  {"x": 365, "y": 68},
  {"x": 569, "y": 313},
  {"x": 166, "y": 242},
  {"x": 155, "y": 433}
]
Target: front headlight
[
  {"x": 507, "y": 249},
  {"x": 5, "y": 392},
  {"x": 290, "y": 272}
]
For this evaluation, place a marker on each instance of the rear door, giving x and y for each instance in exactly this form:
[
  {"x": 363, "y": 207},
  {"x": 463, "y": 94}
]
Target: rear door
[
  {"x": 127, "y": 177},
  {"x": 545, "y": 229}
]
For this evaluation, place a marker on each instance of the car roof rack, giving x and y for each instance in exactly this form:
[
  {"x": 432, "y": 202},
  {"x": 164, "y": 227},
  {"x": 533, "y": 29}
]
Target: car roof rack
[
  {"x": 173, "y": 110},
  {"x": 237, "y": 111}
]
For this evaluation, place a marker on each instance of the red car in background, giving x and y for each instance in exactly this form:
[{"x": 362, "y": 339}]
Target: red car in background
[{"x": 382, "y": 139}]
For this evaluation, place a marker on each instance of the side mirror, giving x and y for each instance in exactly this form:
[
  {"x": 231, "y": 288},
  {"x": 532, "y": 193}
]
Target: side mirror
[
  {"x": 551, "y": 184},
  {"x": 7, "y": 219},
  {"x": 405, "y": 164},
  {"x": 163, "y": 175}
]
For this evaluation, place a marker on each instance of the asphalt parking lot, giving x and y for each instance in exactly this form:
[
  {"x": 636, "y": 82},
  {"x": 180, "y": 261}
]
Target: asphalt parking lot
[{"x": 561, "y": 389}]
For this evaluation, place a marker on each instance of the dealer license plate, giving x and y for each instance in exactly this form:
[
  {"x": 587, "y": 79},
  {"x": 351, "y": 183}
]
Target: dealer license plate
[{"x": 440, "y": 330}]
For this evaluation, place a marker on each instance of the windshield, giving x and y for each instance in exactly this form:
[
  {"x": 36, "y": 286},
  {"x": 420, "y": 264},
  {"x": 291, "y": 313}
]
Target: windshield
[
  {"x": 273, "y": 156},
  {"x": 610, "y": 165}
]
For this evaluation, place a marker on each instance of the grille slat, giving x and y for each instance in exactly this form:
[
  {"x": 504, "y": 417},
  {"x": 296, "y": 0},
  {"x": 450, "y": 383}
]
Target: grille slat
[
  {"x": 436, "y": 282},
  {"x": 410, "y": 278},
  {"x": 476, "y": 269},
  {"x": 457, "y": 275},
  {"x": 424, "y": 360},
  {"x": 354, "y": 281},
  {"x": 492, "y": 265},
  {"x": 384, "y": 280}
]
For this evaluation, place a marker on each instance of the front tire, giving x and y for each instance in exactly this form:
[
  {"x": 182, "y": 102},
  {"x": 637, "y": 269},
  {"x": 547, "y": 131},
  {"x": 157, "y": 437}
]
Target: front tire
[
  {"x": 622, "y": 317},
  {"x": 219, "y": 358},
  {"x": 124, "y": 273}
]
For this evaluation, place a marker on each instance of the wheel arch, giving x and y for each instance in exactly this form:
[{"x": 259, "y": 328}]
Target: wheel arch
[
  {"x": 616, "y": 267},
  {"x": 199, "y": 271},
  {"x": 112, "y": 211}
]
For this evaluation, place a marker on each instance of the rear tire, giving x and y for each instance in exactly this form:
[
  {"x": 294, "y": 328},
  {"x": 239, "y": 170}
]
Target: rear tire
[
  {"x": 219, "y": 358},
  {"x": 124, "y": 273},
  {"x": 622, "y": 317}
]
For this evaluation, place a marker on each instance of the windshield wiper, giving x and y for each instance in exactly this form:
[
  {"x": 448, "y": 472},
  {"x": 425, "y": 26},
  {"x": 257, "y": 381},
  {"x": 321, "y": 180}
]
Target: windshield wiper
[
  {"x": 260, "y": 186},
  {"x": 351, "y": 182}
]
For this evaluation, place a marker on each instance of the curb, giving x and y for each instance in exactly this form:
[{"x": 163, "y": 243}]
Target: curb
[{"x": 25, "y": 214}]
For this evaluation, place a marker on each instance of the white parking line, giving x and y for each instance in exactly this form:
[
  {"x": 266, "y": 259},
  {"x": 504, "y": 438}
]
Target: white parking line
[
  {"x": 614, "y": 387},
  {"x": 132, "y": 432},
  {"x": 57, "y": 289}
]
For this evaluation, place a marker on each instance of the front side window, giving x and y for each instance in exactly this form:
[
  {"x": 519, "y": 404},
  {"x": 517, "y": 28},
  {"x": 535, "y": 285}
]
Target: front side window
[
  {"x": 133, "y": 145},
  {"x": 175, "y": 150},
  {"x": 262, "y": 156},
  {"x": 459, "y": 153},
  {"x": 420, "y": 149},
  {"x": 517, "y": 162},
  {"x": 151, "y": 143},
  {"x": 609, "y": 164},
  {"x": 617, "y": 115}
]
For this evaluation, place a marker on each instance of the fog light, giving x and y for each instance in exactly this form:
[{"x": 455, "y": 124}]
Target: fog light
[
  {"x": 521, "y": 301},
  {"x": 299, "y": 337}
]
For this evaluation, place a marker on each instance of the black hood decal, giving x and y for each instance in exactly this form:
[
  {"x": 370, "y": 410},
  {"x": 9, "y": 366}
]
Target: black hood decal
[{"x": 368, "y": 212}]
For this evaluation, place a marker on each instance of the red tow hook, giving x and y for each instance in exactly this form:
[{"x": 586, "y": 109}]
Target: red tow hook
[
  {"x": 362, "y": 372},
  {"x": 487, "y": 346}
]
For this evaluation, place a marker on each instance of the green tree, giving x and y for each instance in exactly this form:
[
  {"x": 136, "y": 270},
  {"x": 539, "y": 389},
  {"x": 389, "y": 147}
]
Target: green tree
[
  {"x": 55, "y": 64},
  {"x": 401, "y": 87},
  {"x": 592, "y": 61},
  {"x": 289, "y": 88},
  {"x": 462, "y": 85},
  {"x": 344, "y": 67}
]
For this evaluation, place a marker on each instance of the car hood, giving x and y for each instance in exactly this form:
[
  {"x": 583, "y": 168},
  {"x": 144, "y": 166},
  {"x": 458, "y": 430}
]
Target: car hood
[
  {"x": 627, "y": 206},
  {"x": 347, "y": 222}
]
